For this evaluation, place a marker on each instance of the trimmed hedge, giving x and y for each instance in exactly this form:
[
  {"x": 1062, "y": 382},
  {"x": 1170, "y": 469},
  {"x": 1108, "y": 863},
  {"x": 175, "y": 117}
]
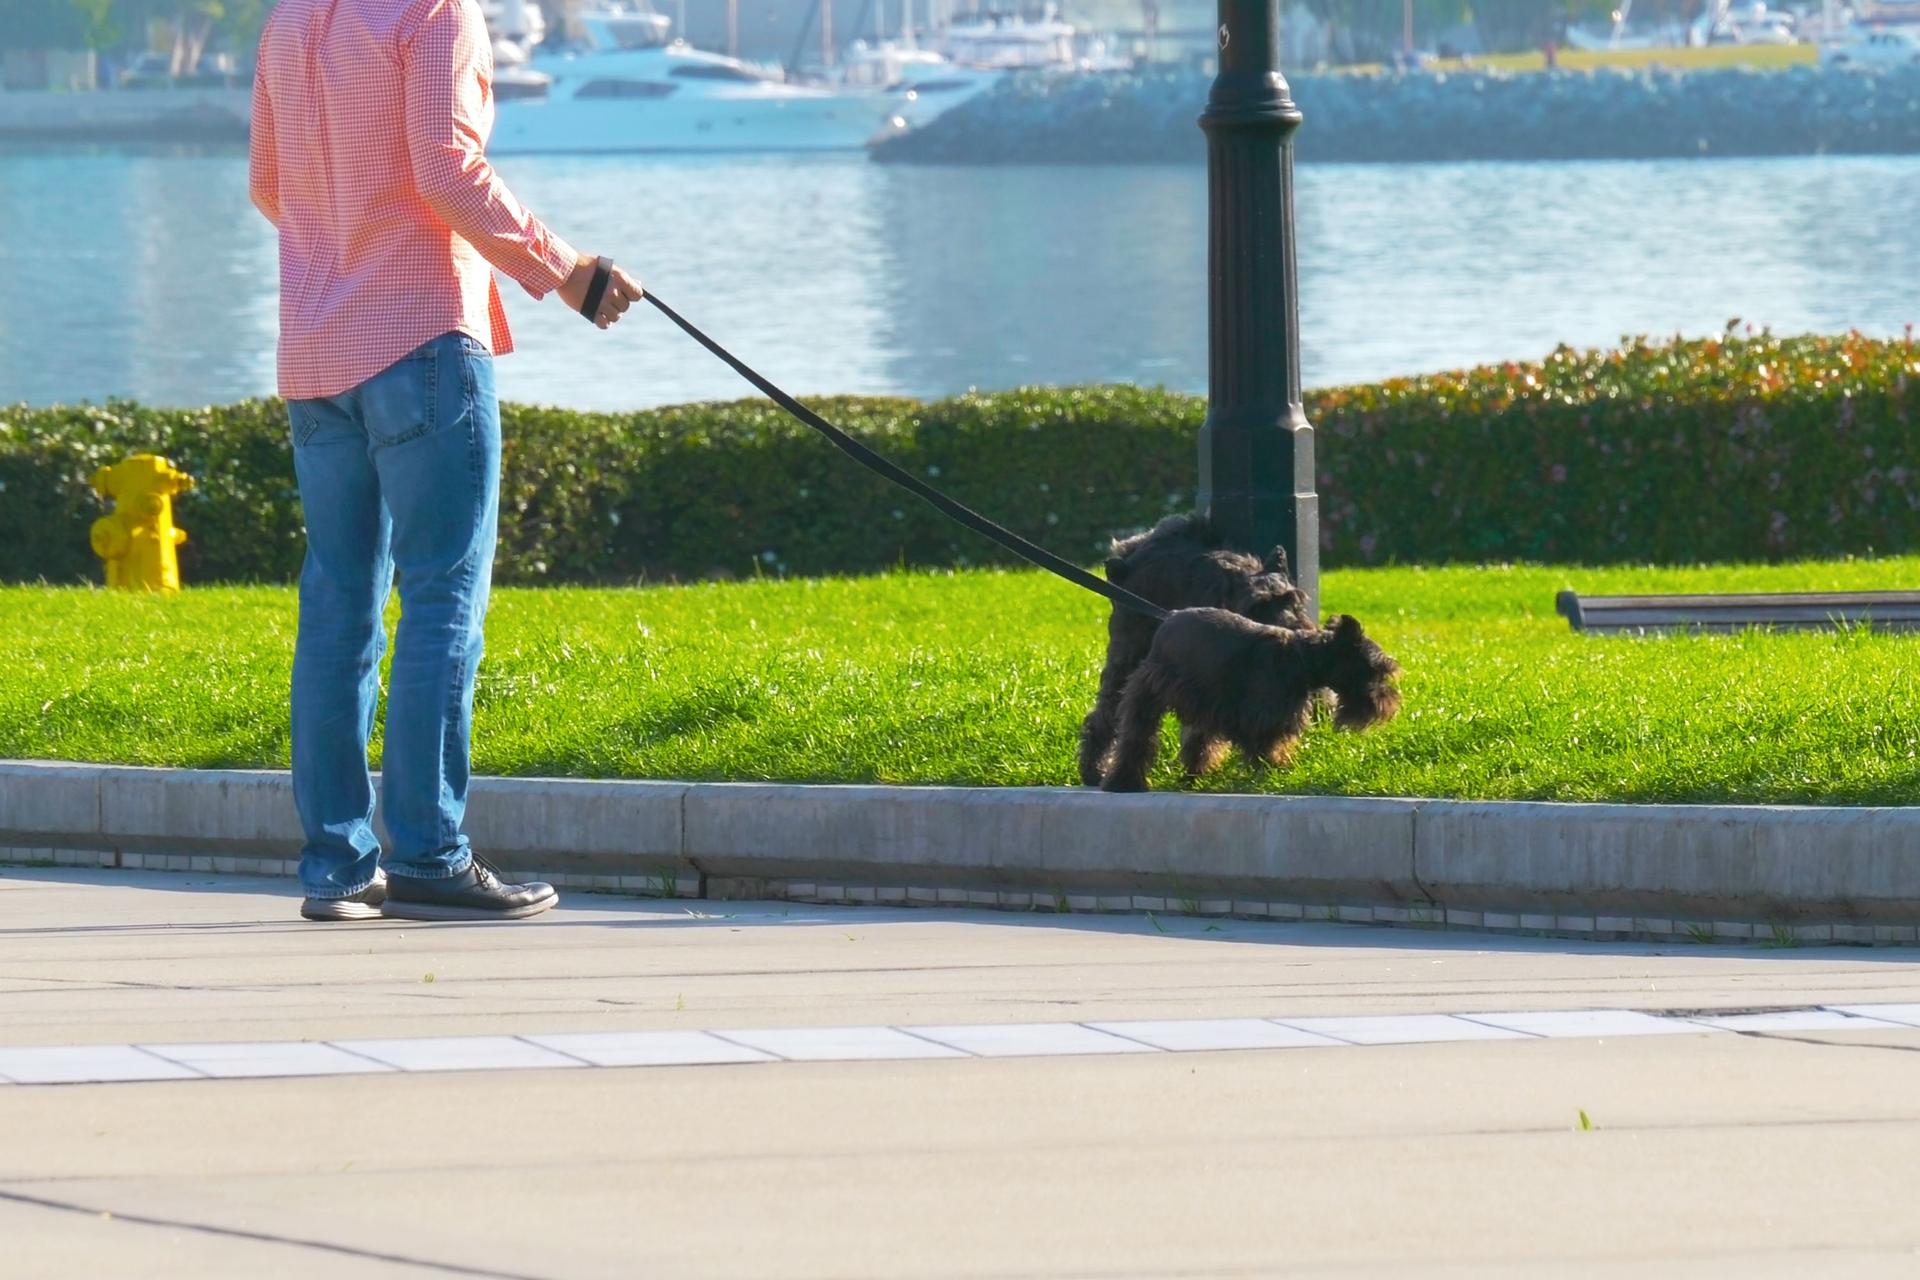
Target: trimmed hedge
[{"x": 1725, "y": 449}]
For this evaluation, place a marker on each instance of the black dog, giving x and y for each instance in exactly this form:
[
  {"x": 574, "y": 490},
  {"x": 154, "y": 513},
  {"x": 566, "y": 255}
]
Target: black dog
[
  {"x": 1235, "y": 682},
  {"x": 1180, "y": 563}
]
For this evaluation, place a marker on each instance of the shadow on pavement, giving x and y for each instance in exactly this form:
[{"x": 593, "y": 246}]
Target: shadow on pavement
[{"x": 582, "y": 910}]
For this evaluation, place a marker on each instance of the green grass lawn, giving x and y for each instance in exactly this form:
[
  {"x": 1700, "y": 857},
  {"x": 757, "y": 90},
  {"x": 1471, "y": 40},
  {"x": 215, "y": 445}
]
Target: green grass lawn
[{"x": 982, "y": 677}]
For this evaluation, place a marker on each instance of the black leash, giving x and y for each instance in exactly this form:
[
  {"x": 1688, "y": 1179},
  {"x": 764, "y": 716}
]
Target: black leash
[{"x": 1032, "y": 554}]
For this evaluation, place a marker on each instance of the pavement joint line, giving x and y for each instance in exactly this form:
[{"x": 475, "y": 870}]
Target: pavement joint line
[
  {"x": 25, "y": 1065},
  {"x": 550, "y": 1049},
  {"x": 96, "y": 1212}
]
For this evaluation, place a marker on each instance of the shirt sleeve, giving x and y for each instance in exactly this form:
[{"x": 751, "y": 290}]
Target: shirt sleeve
[
  {"x": 263, "y": 155},
  {"x": 446, "y": 76}
]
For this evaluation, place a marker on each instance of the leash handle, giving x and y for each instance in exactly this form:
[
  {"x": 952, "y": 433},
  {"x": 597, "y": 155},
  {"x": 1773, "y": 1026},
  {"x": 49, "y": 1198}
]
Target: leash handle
[
  {"x": 597, "y": 288},
  {"x": 860, "y": 453}
]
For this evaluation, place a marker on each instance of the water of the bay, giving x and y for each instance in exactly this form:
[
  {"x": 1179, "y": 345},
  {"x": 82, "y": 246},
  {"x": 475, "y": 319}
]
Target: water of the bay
[{"x": 147, "y": 274}]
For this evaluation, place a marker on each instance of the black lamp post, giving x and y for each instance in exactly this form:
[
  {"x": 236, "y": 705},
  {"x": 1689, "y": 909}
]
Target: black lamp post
[{"x": 1256, "y": 449}]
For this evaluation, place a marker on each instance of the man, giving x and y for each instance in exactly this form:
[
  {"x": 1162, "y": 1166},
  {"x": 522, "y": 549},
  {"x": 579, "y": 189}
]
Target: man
[{"x": 370, "y": 120}]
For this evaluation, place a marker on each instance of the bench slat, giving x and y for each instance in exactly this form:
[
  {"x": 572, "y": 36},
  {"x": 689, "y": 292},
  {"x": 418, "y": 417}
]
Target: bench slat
[{"x": 1801, "y": 611}]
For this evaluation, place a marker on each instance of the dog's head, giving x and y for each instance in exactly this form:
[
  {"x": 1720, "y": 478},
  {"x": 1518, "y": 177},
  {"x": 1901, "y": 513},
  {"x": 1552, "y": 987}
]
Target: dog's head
[
  {"x": 1272, "y": 600},
  {"x": 1360, "y": 674}
]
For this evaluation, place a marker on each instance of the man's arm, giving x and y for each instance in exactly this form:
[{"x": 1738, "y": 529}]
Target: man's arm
[
  {"x": 443, "y": 64},
  {"x": 263, "y": 156}
]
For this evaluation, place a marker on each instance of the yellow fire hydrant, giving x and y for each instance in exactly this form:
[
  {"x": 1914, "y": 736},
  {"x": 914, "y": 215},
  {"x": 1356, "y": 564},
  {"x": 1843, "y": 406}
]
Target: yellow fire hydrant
[{"x": 137, "y": 541}]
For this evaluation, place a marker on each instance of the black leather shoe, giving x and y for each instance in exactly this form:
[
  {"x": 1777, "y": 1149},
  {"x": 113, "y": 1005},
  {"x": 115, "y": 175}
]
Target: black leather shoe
[
  {"x": 364, "y": 905},
  {"x": 475, "y": 894}
]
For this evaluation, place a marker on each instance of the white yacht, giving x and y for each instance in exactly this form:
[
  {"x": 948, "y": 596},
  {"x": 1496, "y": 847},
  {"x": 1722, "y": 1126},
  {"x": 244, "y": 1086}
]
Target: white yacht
[
  {"x": 516, "y": 28},
  {"x": 1001, "y": 42},
  {"x": 1724, "y": 22},
  {"x": 967, "y": 58},
  {"x": 634, "y": 89},
  {"x": 1720, "y": 22}
]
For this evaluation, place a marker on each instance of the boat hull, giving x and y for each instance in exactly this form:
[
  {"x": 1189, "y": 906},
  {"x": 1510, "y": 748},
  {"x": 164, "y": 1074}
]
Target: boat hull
[{"x": 747, "y": 124}]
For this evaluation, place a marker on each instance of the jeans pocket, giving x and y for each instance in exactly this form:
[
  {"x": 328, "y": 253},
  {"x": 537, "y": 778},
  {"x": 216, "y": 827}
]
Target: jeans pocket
[
  {"x": 303, "y": 421},
  {"x": 401, "y": 403}
]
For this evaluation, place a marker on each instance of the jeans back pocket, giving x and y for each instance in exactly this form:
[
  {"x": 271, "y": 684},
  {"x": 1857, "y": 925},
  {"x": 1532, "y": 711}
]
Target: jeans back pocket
[{"x": 401, "y": 402}]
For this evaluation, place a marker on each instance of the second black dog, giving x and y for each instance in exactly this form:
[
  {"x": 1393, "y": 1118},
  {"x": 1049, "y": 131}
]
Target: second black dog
[
  {"x": 1180, "y": 563},
  {"x": 1234, "y": 682}
]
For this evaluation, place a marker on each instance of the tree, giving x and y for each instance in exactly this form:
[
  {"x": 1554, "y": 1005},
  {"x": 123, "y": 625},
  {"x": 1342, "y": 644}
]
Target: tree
[{"x": 54, "y": 24}]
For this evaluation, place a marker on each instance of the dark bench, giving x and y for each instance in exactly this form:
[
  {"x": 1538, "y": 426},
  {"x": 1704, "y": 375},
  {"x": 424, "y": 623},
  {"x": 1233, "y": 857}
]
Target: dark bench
[{"x": 1788, "y": 610}]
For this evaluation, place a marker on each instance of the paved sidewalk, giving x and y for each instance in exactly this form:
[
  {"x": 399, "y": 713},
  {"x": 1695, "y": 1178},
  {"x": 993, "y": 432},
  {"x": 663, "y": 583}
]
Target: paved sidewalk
[{"x": 1779, "y": 1151}]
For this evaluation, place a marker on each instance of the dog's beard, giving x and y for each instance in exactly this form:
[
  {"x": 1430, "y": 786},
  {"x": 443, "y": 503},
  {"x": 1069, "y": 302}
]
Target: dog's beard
[{"x": 1362, "y": 709}]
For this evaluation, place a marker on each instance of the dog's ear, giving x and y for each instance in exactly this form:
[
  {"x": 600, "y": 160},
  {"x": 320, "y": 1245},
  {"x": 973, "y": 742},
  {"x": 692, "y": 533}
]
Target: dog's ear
[
  {"x": 1276, "y": 562},
  {"x": 1347, "y": 627},
  {"x": 1116, "y": 569}
]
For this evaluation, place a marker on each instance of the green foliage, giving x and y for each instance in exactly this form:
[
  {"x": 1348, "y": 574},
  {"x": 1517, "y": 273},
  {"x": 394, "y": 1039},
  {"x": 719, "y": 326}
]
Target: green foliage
[
  {"x": 1717, "y": 450},
  {"x": 1728, "y": 449},
  {"x": 54, "y": 24},
  {"x": 101, "y": 24},
  {"x": 697, "y": 491}
]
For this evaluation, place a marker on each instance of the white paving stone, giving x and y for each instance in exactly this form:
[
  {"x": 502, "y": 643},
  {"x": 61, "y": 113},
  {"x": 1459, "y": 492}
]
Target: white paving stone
[
  {"x": 836, "y": 1044},
  {"x": 1584, "y": 1023},
  {"x": 100, "y": 1063},
  {"x": 267, "y": 1058},
  {"x": 1199, "y": 1034},
  {"x": 1907, "y": 1015},
  {"x": 460, "y": 1053},
  {"x": 650, "y": 1048},
  {"x": 1030, "y": 1039},
  {"x": 1406, "y": 1028},
  {"x": 1799, "y": 1020},
  {"x": 87, "y": 1064}
]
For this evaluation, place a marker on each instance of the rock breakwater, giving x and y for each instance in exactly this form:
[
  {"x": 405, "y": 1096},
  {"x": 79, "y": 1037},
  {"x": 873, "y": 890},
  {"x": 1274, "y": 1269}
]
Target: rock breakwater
[{"x": 1149, "y": 117}]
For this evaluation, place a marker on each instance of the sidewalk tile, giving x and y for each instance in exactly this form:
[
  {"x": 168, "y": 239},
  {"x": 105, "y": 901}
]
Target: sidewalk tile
[
  {"x": 1582, "y": 1023},
  {"x": 1029, "y": 1039},
  {"x": 1799, "y": 1020},
  {"x": 1217, "y": 1033},
  {"x": 459, "y": 1053},
  {"x": 1409, "y": 1028},
  {"x": 87, "y": 1064},
  {"x": 837, "y": 1044},
  {"x": 268, "y": 1058},
  {"x": 649, "y": 1048}
]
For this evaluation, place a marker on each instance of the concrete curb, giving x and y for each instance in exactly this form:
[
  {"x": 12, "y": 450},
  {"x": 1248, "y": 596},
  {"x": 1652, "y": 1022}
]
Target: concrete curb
[{"x": 1724, "y": 871}]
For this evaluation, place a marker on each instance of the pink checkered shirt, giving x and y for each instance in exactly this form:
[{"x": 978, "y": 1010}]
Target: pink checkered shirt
[{"x": 370, "y": 122}]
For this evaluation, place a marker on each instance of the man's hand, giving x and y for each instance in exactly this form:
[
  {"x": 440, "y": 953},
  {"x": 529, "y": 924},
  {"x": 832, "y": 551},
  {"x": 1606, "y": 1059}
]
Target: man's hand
[{"x": 622, "y": 292}]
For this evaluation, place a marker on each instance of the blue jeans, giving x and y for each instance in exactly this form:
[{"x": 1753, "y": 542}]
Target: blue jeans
[{"x": 401, "y": 472}]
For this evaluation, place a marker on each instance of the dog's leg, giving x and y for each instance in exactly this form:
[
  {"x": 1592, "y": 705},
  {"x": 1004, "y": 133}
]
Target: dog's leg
[
  {"x": 1273, "y": 744},
  {"x": 1142, "y": 708},
  {"x": 1277, "y": 753},
  {"x": 1200, "y": 751},
  {"x": 1125, "y": 648}
]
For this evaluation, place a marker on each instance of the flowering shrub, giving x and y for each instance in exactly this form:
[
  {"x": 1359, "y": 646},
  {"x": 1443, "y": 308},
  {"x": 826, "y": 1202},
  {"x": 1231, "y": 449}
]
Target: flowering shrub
[{"x": 1733, "y": 448}]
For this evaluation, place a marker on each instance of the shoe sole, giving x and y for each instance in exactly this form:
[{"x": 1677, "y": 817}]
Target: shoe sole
[
  {"x": 322, "y": 909},
  {"x": 440, "y": 911}
]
